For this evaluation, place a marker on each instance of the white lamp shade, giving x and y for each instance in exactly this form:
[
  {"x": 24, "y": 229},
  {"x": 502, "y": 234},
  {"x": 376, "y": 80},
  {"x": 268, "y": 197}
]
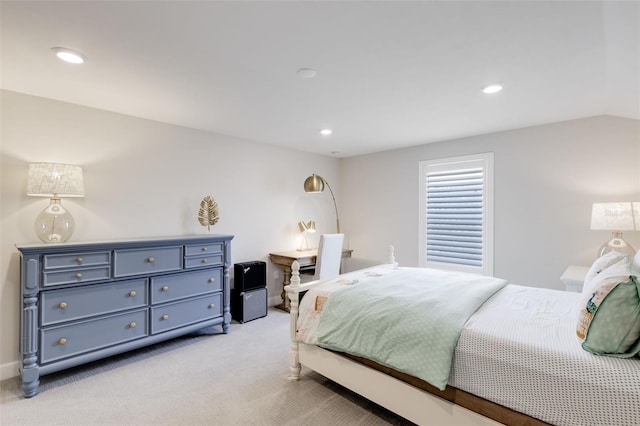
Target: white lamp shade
[
  {"x": 55, "y": 180},
  {"x": 613, "y": 217}
]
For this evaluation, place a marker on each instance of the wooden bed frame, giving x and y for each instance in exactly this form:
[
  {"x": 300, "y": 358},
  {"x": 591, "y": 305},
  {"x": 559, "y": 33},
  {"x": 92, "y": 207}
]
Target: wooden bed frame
[{"x": 421, "y": 404}]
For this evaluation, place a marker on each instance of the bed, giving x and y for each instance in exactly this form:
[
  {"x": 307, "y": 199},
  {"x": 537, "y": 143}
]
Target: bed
[{"x": 517, "y": 360}]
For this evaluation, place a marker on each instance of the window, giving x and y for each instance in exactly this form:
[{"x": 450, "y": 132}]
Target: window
[{"x": 456, "y": 213}]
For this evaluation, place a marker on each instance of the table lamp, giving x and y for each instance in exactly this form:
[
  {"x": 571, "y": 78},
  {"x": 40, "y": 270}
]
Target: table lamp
[
  {"x": 614, "y": 217},
  {"x": 54, "y": 224},
  {"x": 305, "y": 228}
]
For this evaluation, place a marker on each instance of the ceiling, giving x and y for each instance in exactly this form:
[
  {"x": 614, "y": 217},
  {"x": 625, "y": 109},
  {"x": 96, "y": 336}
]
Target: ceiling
[{"x": 388, "y": 74}]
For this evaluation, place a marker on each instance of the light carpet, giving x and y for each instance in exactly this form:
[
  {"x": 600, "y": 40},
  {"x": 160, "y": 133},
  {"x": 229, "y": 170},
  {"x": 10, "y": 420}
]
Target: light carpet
[{"x": 206, "y": 378}]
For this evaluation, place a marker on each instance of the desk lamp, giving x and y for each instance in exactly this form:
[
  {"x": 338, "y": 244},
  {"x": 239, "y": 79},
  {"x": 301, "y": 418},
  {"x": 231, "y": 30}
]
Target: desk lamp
[{"x": 305, "y": 228}]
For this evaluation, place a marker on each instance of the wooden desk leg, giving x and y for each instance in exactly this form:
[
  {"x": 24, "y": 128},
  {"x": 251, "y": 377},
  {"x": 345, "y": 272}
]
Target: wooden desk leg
[{"x": 286, "y": 270}]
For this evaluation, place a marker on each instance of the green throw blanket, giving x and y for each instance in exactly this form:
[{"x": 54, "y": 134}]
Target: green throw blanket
[{"x": 409, "y": 319}]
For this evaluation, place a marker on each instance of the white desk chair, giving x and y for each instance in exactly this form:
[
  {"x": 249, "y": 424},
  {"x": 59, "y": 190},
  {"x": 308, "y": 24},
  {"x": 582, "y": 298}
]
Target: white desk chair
[{"x": 329, "y": 256}]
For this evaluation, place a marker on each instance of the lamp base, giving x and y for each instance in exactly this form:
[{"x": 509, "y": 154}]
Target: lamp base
[
  {"x": 304, "y": 244},
  {"x": 54, "y": 224},
  {"x": 617, "y": 243}
]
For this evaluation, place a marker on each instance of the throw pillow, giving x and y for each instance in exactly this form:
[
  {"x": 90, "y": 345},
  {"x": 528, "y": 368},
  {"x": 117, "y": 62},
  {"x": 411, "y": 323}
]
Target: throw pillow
[
  {"x": 611, "y": 268},
  {"x": 610, "y": 320}
]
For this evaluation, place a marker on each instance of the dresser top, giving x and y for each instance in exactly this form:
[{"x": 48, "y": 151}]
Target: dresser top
[{"x": 128, "y": 243}]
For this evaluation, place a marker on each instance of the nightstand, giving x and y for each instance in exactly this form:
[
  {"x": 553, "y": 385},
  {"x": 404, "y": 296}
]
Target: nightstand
[{"x": 573, "y": 278}]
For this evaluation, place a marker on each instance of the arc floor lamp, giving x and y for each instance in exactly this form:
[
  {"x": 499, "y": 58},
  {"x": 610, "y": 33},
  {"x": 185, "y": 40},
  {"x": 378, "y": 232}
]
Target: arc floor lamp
[{"x": 316, "y": 183}]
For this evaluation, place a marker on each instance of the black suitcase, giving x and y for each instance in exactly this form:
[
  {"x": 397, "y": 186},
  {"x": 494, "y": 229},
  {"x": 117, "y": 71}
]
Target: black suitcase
[{"x": 249, "y": 304}]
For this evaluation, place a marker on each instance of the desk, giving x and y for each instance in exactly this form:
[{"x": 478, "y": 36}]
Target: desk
[{"x": 306, "y": 259}]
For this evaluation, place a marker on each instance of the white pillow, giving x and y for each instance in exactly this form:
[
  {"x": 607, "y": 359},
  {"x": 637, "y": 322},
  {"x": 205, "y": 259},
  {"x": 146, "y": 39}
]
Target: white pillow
[
  {"x": 600, "y": 264},
  {"x": 635, "y": 265},
  {"x": 613, "y": 274}
]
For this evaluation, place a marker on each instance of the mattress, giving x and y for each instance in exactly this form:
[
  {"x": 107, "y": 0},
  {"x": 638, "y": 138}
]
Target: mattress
[{"x": 520, "y": 351}]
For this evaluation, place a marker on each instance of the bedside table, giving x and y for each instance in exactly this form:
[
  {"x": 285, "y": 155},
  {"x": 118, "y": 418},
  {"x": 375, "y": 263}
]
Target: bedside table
[{"x": 573, "y": 278}]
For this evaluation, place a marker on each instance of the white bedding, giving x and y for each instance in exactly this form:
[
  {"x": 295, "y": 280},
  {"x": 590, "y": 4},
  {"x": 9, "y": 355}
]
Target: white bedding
[{"x": 520, "y": 351}]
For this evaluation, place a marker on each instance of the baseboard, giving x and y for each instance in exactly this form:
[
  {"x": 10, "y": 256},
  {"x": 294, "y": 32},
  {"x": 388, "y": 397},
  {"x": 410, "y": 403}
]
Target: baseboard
[
  {"x": 9, "y": 370},
  {"x": 274, "y": 301}
]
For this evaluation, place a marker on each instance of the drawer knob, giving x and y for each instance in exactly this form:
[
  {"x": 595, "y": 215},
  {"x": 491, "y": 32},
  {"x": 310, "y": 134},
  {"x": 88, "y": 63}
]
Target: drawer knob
[
  {"x": 211, "y": 306},
  {"x": 62, "y": 341},
  {"x": 78, "y": 275},
  {"x": 165, "y": 288},
  {"x": 62, "y": 305},
  {"x": 132, "y": 325},
  {"x": 205, "y": 261},
  {"x": 212, "y": 280},
  {"x": 165, "y": 317},
  {"x": 151, "y": 260},
  {"x": 204, "y": 249},
  {"x": 79, "y": 259},
  {"x": 132, "y": 293}
]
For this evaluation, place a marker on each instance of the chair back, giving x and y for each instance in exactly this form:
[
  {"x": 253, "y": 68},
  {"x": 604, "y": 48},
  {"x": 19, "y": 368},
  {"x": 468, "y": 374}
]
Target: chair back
[{"x": 329, "y": 256}]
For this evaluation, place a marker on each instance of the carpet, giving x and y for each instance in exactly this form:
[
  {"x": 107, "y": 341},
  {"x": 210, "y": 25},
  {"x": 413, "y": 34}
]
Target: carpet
[{"x": 204, "y": 378}]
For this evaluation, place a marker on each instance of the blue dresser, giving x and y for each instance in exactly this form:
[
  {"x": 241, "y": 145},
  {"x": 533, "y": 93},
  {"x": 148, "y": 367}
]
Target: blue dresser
[{"x": 85, "y": 301}]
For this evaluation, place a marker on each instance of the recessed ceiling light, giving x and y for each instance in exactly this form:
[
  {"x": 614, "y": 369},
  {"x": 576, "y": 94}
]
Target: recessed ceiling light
[
  {"x": 69, "y": 55},
  {"x": 492, "y": 88},
  {"x": 306, "y": 73},
  {"x": 326, "y": 132}
]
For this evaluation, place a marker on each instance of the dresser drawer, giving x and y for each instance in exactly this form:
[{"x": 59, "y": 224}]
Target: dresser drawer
[
  {"x": 75, "y": 275},
  {"x": 175, "y": 315},
  {"x": 55, "y": 261},
  {"x": 73, "y": 339},
  {"x": 200, "y": 261},
  {"x": 147, "y": 261},
  {"x": 198, "y": 249},
  {"x": 178, "y": 286},
  {"x": 75, "y": 303}
]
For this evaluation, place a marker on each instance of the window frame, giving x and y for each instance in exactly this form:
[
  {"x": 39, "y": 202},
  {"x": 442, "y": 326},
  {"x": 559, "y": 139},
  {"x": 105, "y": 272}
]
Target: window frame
[{"x": 483, "y": 160}]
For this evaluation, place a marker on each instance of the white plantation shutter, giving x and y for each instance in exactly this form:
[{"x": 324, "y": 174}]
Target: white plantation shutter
[
  {"x": 456, "y": 214},
  {"x": 454, "y": 217}
]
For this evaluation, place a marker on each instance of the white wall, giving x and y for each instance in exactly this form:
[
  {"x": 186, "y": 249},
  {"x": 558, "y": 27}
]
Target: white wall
[
  {"x": 143, "y": 179},
  {"x": 546, "y": 179}
]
